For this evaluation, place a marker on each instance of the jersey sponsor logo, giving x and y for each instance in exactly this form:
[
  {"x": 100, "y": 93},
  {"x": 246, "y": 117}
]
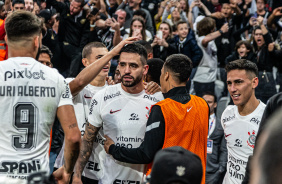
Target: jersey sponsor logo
[
  {"x": 228, "y": 118},
  {"x": 66, "y": 93},
  {"x": 255, "y": 120},
  {"x": 189, "y": 109},
  {"x": 24, "y": 74},
  {"x": 92, "y": 166},
  {"x": 134, "y": 116},
  {"x": 238, "y": 143},
  {"x": 236, "y": 168},
  {"x": 112, "y": 112},
  {"x": 118, "y": 181},
  {"x": 93, "y": 103},
  {"x": 87, "y": 96},
  {"x": 152, "y": 98},
  {"x": 24, "y": 167},
  {"x": 111, "y": 96},
  {"x": 252, "y": 139}
]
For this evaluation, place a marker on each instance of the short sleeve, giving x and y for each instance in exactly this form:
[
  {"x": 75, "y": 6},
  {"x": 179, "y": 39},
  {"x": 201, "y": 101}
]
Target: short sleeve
[
  {"x": 94, "y": 117},
  {"x": 65, "y": 93}
]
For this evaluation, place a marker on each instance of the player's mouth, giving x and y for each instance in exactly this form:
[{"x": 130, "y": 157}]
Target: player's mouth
[
  {"x": 127, "y": 78},
  {"x": 259, "y": 42},
  {"x": 106, "y": 68},
  {"x": 235, "y": 97}
]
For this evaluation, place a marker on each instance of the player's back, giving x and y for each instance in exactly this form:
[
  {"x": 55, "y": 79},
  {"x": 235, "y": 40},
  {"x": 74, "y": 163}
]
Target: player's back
[{"x": 30, "y": 93}]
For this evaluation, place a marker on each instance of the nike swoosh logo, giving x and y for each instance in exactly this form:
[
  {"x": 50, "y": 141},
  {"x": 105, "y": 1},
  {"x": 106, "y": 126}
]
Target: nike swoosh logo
[
  {"x": 227, "y": 135},
  {"x": 87, "y": 96},
  {"x": 111, "y": 112},
  {"x": 189, "y": 109}
]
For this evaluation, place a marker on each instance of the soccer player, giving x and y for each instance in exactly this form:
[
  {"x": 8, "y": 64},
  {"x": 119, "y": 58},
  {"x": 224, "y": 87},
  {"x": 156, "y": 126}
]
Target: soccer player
[
  {"x": 32, "y": 95},
  {"x": 180, "y": 119},
  {"x": 122, "y": 111},
  {"x": 241, "y": 120},
  {"x": 91, "y": 53}
]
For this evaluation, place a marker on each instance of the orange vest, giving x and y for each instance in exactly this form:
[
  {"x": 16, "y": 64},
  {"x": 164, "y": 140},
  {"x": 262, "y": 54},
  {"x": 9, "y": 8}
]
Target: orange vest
[
  {"x": 2, "y": 46},
  {"x": 186, "y": 125}
]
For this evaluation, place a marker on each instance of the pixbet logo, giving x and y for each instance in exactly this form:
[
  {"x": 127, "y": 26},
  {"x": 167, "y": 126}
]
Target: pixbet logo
[{"x": 23, "y": 74}]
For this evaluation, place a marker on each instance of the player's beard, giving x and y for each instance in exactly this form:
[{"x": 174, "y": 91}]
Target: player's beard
[{"x": 131, "y": 83}]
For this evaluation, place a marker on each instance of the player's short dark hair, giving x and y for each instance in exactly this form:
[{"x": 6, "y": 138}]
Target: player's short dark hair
[
  {"x": 147, "y": 46},
  {"x": 22, "y": 24},
  {"x": 46, "y": 50},
  {"x": 155, "y": 67},
  {"x": 242, "y": 64},
  {"x": 136, "y": 48},
  {"x": 205, "y": 26},
  {"x": 87, "y": 50},
  {"x": 181, "y": 22},
  {"x": 18, "y": 2},
  {"x": 180, "y": 65},
  {"x": 140, "y": 13},
  {"x": 211, "y": 94}
]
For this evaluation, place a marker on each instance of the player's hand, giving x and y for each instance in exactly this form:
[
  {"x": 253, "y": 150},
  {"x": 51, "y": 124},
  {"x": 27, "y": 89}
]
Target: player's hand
[
  {"x": 108, "y": 142},
  {"x": 110, "y": 80},
  {"x": 271, "y": 47},
  {"x": 115, "y": 51},
  {"x": 61, "y": 176},
  {"x": 151, "y": 87},
  {"x": 76, "y": 180}
]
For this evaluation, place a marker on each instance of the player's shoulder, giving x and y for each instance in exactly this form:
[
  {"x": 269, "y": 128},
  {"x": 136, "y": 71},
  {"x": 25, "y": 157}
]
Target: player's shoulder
[
  {"x": 228, "y": 113},
  {"x": 156, "y": 97}
]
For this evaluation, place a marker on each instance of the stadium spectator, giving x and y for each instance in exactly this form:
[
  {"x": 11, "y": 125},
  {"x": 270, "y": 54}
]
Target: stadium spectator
[
  {"x": 204, "y": 79},
  {"x": 216, "y": 147},
  {"x": 164, "y": 46},
  {"x": 132, "y": 5},
  {"x": 73, "y": 33}
]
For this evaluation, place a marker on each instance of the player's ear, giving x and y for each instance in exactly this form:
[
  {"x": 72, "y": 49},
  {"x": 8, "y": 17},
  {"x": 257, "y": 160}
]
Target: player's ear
[
  {"x": 85, "y": 62},
  {"x": 255, "y": 82}
]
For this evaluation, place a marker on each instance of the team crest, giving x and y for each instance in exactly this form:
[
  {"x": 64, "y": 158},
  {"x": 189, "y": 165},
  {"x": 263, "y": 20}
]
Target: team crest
[
  {"x": 252, "y": 139},
  {"x": 180, "y": 171}
]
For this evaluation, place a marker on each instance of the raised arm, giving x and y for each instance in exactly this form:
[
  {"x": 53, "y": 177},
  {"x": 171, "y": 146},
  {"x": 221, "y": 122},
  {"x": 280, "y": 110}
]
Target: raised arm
[{"x": 214, "y": 35}]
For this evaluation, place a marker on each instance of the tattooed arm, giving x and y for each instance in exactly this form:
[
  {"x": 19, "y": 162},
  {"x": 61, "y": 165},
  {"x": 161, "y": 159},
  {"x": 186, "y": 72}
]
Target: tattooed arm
[
  {"x": 67, "y": 118},
  {"x": 85, "y": 151}
]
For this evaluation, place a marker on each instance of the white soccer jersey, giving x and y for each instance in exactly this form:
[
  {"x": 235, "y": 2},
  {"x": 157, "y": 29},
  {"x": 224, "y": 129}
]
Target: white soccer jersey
[
  {"x": 123, "y": 117},
  {"x": 240, "y": 134},
  {"x": 30, "y": 94},
  {"x": 93, "y": 168}
]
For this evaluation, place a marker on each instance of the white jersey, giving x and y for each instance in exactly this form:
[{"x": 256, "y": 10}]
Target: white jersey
[
  {"x": 240, "y": 134},
  {"x": 93, "y": 168},
  {"x": 30, "y": 94},
  {"x": 123, "y": 117},
  {"x": 206, "y": 71}
]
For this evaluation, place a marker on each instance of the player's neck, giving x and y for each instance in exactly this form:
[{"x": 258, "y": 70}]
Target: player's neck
[
  {"x": 20, "y": 53},
  {"x": 98, "y": 81},
  {"x": 249, "y": 107},
  {"x": 135, "y": 89}
]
